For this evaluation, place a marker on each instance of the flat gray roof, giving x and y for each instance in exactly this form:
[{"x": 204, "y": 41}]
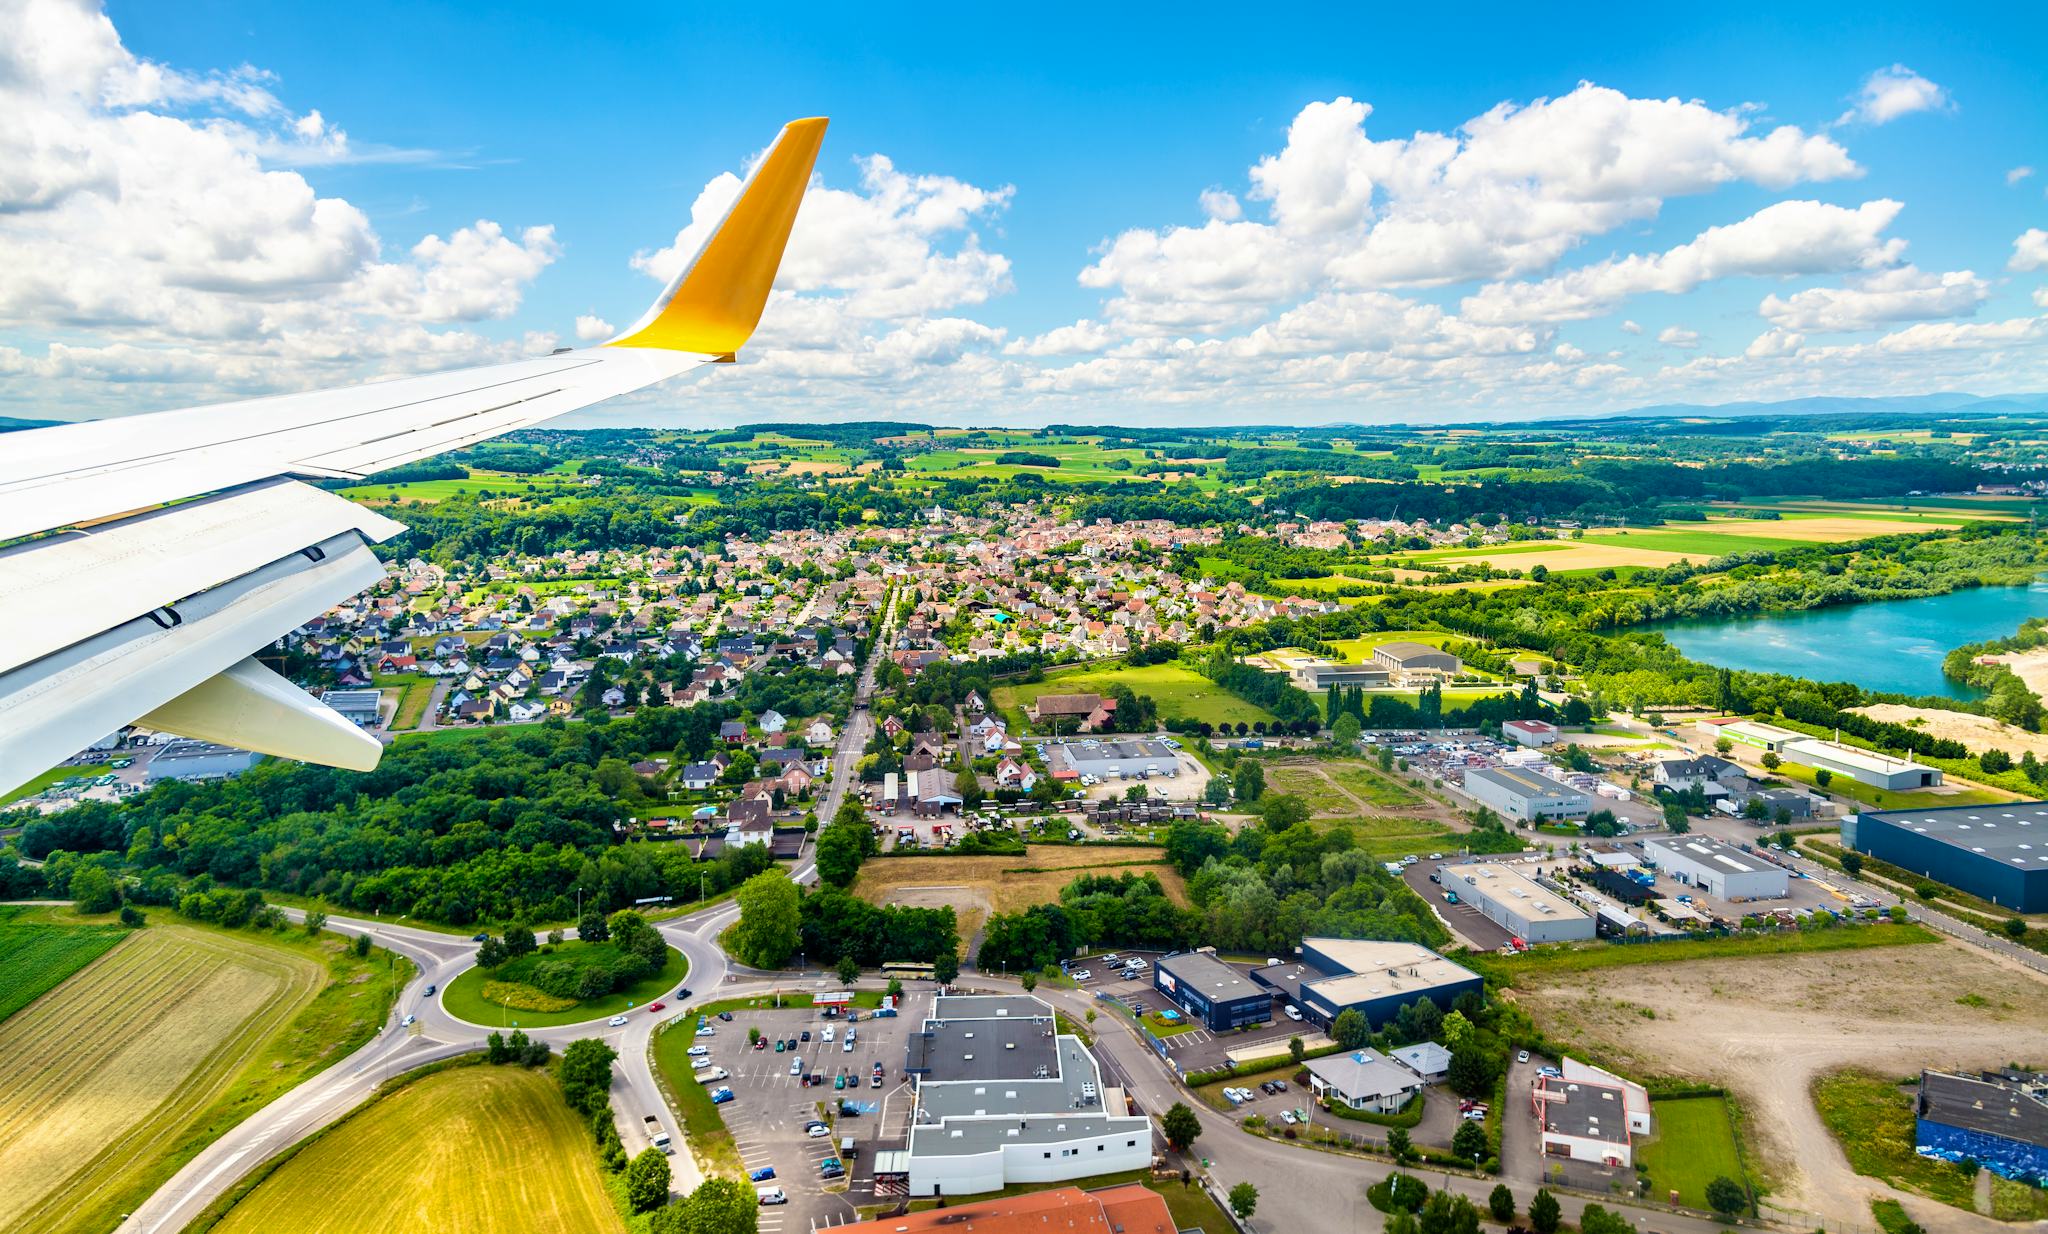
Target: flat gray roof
[
  {"x": 1707, "y": 851},
  {"x": 1067, "y": 1090},
  {"x": 1589, "y": 1111},
  {"x": 1527, "y": 783},
  {"x": 991, "y": 1049},
  {"x": 986, "y": 1006},
  {"x": 1209, "y": 976},
  {"x": 962, "y": 1137},
  {"x": 2013, "y": 832}
]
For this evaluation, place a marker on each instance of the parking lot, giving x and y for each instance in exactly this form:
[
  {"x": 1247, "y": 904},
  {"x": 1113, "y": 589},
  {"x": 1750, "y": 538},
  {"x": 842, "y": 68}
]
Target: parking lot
[{"x": 771, "y": 1104}]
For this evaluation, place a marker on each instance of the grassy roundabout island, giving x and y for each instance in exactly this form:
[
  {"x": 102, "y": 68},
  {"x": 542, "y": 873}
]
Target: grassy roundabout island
[{"x": 498, "y": 998}]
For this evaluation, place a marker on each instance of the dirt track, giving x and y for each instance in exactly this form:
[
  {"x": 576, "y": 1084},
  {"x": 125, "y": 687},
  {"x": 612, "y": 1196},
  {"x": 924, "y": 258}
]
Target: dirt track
[{"x": 1766, "y": 1027}]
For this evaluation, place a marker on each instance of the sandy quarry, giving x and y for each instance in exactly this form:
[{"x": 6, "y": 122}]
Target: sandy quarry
[
  {"x": 2030, "y": 667},
  {"x": 1765, "y": 1027},
  {"x": 1977, "y": 732}
]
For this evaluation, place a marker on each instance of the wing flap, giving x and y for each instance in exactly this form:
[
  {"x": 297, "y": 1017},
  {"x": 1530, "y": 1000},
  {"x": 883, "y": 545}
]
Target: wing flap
[{"x": 251, "y": 708}]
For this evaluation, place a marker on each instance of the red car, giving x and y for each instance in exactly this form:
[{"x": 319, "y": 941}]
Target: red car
[{"x": 656, "y": 1007}]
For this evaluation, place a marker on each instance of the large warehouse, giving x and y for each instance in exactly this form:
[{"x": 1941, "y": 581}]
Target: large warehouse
[
  {"x": 1409, "y": 657},
  {"x": 1003, "y": 1098},
  {"x": 1995, "y": 852},
  {"x": 1376, "y": 978},
  {"x": 1213, "y": 992},
  {"x": 1526, "y": 908},
  {"x": 1717, "y": 869},
  {"x": 1999, "y": 1119},
  {"x": 1525, "y": 796}
]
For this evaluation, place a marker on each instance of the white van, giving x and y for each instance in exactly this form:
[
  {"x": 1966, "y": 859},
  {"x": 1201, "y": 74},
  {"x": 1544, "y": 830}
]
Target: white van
[{"x": 1293, "y": 1012}]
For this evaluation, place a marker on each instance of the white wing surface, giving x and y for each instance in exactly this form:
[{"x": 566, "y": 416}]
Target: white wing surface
[{"x": 143, "y": 559}]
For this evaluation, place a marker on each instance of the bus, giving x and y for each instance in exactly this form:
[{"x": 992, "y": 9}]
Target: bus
[{"x": 910, "y": 972}]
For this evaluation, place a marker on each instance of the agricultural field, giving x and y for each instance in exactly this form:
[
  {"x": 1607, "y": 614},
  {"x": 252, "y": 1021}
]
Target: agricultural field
[
  {"x": 472, "y": 1150},
  {"x": 477, "y": 998},
  {"x": 1766, "y": 1026},
  {"x": 1178, "y": 690},
  {"x": 499, "y": 484},
  {"x": 107, "y": 1075},
  {"x": 974, "y": 887},
  {"x": 1693, "y": 1145},
  {"x": 38, "y": 953}
]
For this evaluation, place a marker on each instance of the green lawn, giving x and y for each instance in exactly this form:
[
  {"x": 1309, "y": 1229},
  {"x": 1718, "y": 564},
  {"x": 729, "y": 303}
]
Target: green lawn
[
  {"x": 1952, "y": 794},
  {"x": 414, "y": 692},
  {"x": 1694, "y": 1144},
  {"x": 702, "y": 1123},
  {"x": 464, "y": 998},
  {"x": 1373, "y": 786},
  {"x": 43, "y": 780},
  {"x": 1568, "y": 958},
  {"x": 496, "y": 483},
  {"x": 1178, "y": 690}
]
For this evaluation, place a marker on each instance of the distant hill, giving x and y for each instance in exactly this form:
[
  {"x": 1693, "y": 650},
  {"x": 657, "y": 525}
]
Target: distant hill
[{"x": 8, "y": 424}]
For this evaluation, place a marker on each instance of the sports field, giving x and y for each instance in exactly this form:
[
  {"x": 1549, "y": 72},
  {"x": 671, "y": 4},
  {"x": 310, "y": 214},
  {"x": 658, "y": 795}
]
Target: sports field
[
  {"x": 474, "y": 1150},
  {"x": 1179, "y": 691},
  {"x": 101, "y": 1078}
]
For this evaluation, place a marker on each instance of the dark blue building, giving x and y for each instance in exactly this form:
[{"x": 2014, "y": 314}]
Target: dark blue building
[
  {"x": 1211, "y": 991},
  {"x": 1376, "y": 978},
  {"x": 1997, "y": 1119},
  {"x": 1996, "y": 852}
]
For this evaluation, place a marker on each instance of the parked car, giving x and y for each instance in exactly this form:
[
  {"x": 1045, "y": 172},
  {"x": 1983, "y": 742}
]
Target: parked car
[
  {"x": 1287, "y": 1116},
  {"x": 826, "y": 1034},
  {"x": 830, "y": 1168},
  {"x": 1522, "y": 1056},
  {"x": 1082, "y": 974},
  {"x": 846, "y": 1046},
  {"x": 876, "y": 1082},
  {"x": 839, "y": 1081},
  {"x": 726, "y": 1016},
  {"x": 796, "y": 1066},
  {"x": 617, "y": 1021},
  {"x": 806, "y": 1035},
  {"x": 760, "y": 1043},
  {"x": 762, "y": 1175},
  {"x": 781, "y": 1046},
  {"x": 792, "y": 1043},
  {"x": 816, "y": 1130},
  {"x": 707, "y": 1031},
  {"x": 719, "y": 1096},
  {"x": 699, "y": 1051},
  {"x": 774, "y": 1195}
]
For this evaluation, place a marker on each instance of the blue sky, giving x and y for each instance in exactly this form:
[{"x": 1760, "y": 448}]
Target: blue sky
[{"x": 1881, "y": 248}]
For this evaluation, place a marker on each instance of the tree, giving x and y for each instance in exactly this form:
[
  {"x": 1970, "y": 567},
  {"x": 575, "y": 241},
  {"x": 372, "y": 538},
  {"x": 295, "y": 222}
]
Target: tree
[
  {"x": 1345, "y": 731},
  {"x": 92, "y": 890},
  {"x": 490, "y": 953},
  {"x": 2014, "y": 927},
  {"x": 1471, "y": 1071},
  {"x": 1028, "y": 980},
  {"x": 1726, "y": 1196},
  {"x": 946, "y": 966},
  {"x": 1545, "y": 1213},
  {"x": 1248, "y": 780},
  {"x": 1181, "y": 1126},
  {"x": 132, "y": 917},
  {"x": 1297, "y": 1049},
  {"x": 717, "y": 1206},
  {"x": 1599, "y": 1219},
  {"x": 495, "y": 1051},
  {"x": 1501, "y": 1203},
  {"x": 1447, "y": 1213},
  {"x": 647, "y": 1180},
  {"x": 1723, "y": 746},
  {"x": 1350, "y": 1029},
  {"x": 1283, "y": 810},
  {"x": 361, "y": 946},
  {"x": 1399, "y": 1146},
  {"x": 1675, "y": 817},
  {"x": 1469, "y": 1141},
  {"x": 1770, "y": 761},
  {"x": 770, "y": 923},
  {"x": 591, "y": 927},
  {"x": 1821, "y": 776},
  {"x": 316, "y": 921},
  {"x": 839, "y": 854},
  {"x": 848, "y": 970},
  {"x": 519, "y": 940},
  {"x": 1244, "y": 1200},
  {"x": 586, "y": 1075},
  {"x": 1852, "y": 864},
  {"x": 895, "y": 990}
]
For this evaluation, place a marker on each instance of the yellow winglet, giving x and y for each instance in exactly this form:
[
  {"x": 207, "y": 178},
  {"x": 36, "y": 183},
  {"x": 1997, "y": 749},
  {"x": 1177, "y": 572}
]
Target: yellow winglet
[{"x": 713, "y": 305}]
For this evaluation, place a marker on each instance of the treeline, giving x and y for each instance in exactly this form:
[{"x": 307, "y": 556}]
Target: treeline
[
  {"x": 837, "y": 923},
  {"x": 495, "y": 827},
  {"x": 1025, "y": 458},
  {"x": 1289, "y": 703},
  {"x": 1245, "y": 466}
]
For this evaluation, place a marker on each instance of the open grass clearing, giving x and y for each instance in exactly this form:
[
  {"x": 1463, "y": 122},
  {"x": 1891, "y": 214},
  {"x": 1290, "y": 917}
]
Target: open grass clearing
[
  {"x": 46, "y": 779},
  {"x": 1694, "y": 1144},
  {"x": 472, "y": 1150},
  {"x": 105, "y": 1077},
  {"x": 976, "y": 886},
  {"x": 465, "y": 1000},
  {"x": 1767, "y": 1026},
  {"x": 1177, "y": 689},
  {"x": 1952, "y": 793}
]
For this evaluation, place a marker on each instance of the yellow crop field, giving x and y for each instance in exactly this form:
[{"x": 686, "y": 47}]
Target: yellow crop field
[
  {"x": 1566, "y": 555},
  {"x": 100, "y": 1076},
  {"x": 974, "y": 887},
  {"x": 475, "y": 1150}
]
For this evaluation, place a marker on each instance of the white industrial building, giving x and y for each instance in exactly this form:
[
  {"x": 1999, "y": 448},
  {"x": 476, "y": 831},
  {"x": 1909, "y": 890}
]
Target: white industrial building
[
  {"x": 1583, "y": 1121},
  {"x": 1532, "y": 912},
  {"x": 1529, "y": 732},
  {"x": 1003, "y": 1098},
  {"x": 1716, "y": 868},
  {"x": 1526, "y": 795},
  {"x": 1854, "y": 762}
]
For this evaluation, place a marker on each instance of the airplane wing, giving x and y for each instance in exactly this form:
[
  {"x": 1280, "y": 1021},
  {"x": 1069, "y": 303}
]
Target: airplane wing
[{"x": 146, "y": 557}]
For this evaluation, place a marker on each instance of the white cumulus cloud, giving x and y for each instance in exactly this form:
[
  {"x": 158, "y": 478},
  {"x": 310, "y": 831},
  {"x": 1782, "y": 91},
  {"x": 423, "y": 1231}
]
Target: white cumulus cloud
[
  {"x": 1892, "y": 92},
  {"x": 1883, "y": 299}
]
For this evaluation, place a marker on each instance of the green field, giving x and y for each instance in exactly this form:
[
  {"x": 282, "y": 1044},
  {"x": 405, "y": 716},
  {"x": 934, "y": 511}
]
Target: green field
[
  {"x": 703, "y": 1125},
  {"x": 44, "y": 779},
  {"x": 415, "y": 690},
  {"x": 1696, "y": 543},
  {"x": 1359, "y": 650},
  {"x": 1178, "y": 690},
  {"x": 1374, "y": 786},
  {"x": 1950, "y": 794},
  {"x": 464, "y": 998},
  {"x": 194, "y": 1028},
  {"x": 1565, "y": 958},
  {"x": 1694, "y": 1144},
  {"x": 496, "y": 483},
  {"x": 37, "y": 953},
  {"x": 472, "y": 1150},
  {"x": 1325, "y": 784},
  {"x": 1871, "y": 1117}
]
